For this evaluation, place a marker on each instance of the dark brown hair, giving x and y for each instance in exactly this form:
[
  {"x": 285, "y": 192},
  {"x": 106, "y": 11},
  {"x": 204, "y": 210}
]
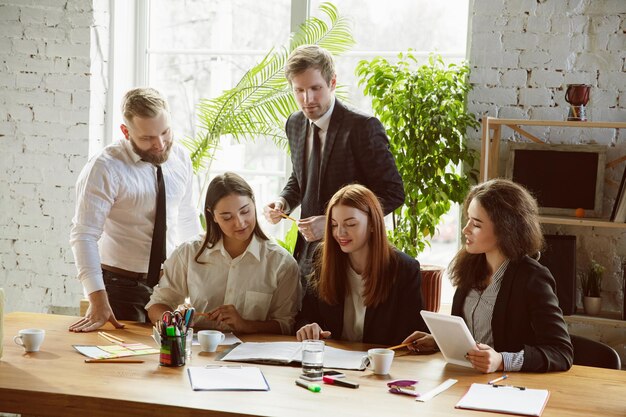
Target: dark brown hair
[
  {"x": 331, "y": 263},
  {"x": 515, "y": 217},
  {"x": 220, "y": 187}
]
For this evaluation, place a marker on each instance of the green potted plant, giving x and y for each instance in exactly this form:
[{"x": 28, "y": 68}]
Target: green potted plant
[
  {"x": 423, "y": 108},
  {"x": 591, "y": 283}
]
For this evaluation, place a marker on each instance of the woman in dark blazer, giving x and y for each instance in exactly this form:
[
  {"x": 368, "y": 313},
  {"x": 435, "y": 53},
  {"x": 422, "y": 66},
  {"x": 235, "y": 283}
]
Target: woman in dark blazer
[
  {"x": 362, "y": 289},
  {"x": 507, "y": 298}
]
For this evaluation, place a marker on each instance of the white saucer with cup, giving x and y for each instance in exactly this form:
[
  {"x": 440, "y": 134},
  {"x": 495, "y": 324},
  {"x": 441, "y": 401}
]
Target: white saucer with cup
[
  {"x": 210, "y": 339},
  {"x": 30, "y": 339},
  {"x": 380, "y": 360}
]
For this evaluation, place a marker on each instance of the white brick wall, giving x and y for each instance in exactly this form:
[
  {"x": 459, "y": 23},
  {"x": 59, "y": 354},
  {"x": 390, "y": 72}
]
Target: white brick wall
[
  {"x": 52, "y": 86},
  {"x": 522, "y": 55}
]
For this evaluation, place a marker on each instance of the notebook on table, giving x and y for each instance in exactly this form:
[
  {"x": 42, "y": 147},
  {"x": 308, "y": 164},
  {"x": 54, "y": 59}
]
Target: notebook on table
[{"x": 505, "y": 399}]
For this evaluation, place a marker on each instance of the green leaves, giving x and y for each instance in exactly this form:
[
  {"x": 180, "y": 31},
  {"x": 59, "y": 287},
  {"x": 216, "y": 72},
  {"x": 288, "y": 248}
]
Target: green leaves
[
  {"x": 289, "y": 243},
  {"x": 424, "y": 112},
  {"x": 261, "y": 101}
]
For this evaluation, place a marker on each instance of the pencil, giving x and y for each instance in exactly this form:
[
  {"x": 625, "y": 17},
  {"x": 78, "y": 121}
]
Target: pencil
[
  {"x": 400, "y": 346},
  {"x": 113, "y": 361},
  {"x": 110, "y": 338},
  {"x": 288, "y": 217},
  {"x": 113, "y": 337}
]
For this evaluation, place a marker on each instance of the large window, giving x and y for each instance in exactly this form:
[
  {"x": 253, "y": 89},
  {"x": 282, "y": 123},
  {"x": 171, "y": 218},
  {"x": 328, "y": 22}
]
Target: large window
[{"x": 198, "y": 48}]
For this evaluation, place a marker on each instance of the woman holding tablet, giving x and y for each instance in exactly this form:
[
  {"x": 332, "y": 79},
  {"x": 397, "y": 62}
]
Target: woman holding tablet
[
  {"x": 505, "y": 296},
  {"x": 362, "y": 289},
  {"x": 242, "y": 281}
]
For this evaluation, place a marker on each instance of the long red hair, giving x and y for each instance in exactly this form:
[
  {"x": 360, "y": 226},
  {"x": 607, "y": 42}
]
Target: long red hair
[{"x": 331, "y": 263}]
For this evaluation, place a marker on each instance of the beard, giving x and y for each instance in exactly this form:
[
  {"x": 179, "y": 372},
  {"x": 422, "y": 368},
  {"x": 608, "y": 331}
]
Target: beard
[{"x": 151, "y": 157}]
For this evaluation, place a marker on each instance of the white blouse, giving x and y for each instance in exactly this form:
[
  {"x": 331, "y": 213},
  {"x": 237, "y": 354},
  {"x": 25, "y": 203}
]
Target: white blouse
[{"x": 263, "y": 283}]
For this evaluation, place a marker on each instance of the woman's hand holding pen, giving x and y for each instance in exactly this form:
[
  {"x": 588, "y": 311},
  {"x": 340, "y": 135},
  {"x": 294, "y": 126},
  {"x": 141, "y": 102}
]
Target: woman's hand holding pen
[
  {"x": 228, "y": 314},
  {"x": 421, "y": 342},
  {"x": 485, "y": 359},
  {"x": 312, "y": 331}
]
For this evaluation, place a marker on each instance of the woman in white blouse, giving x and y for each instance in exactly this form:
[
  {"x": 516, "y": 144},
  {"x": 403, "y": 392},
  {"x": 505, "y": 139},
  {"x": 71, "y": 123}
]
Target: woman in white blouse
[{"x": 245, "y": 282}]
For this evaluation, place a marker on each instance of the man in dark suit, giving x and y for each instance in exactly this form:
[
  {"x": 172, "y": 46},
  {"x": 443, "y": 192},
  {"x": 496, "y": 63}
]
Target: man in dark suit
[{"x": 331, "y": 146}]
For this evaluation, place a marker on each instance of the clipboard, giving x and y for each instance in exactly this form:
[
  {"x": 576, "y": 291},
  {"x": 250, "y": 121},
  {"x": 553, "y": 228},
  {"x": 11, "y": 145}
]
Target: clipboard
[{"x": 505, "y": 399}]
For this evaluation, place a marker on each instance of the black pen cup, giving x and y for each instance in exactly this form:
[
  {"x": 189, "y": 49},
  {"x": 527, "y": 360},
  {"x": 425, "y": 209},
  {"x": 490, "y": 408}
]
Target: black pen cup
[{"x": 172, "y": 351}]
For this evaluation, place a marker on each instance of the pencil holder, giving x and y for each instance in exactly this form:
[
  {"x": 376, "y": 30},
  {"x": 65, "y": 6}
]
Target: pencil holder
[{"x": 172, "y": 351}]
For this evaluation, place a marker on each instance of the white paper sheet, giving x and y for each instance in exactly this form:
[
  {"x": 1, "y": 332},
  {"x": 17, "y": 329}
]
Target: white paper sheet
[
  {"x": 505, "y": 399},
  {"x": 227, "y": 378}
]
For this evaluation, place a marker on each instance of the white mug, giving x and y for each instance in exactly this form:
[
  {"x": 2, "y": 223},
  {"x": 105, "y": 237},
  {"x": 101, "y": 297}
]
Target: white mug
[
  {"x": 30, "y": 339},
  {"x": 210, "y": 339},
  {"x": 380, "y": 360}
]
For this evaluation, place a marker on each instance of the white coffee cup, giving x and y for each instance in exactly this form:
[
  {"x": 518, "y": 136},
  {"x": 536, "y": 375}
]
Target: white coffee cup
[
  {"x": 30, "y": 339},
  {"x": 380, "y": 360},
  {"x": 210, "y": 339}
]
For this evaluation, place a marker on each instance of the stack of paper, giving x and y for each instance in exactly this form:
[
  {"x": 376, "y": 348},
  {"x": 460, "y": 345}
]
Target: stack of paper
[{"x": 227, "y": 378}]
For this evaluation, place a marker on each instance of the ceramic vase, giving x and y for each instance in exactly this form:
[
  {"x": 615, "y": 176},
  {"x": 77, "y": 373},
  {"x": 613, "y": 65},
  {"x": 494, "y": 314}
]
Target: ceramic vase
[{"x": 592, "y": 305}]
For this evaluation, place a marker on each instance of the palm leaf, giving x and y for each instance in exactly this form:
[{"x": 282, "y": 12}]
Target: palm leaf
[{"x": 259, "y": 104}]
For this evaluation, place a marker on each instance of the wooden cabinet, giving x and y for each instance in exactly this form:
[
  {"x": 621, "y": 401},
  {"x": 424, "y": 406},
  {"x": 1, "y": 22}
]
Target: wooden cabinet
[{"x": 490, "y": 151}]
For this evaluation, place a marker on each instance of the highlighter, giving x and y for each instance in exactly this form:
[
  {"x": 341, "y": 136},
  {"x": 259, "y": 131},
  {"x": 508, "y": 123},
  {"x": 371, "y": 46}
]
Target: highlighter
[
  {"x": 310, "y": 387},
  {"x": 341, "y": 382}
]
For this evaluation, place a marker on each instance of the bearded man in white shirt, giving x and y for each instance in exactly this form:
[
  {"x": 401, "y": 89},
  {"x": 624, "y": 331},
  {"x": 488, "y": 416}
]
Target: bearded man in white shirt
[{"x": 116, "y": 204}]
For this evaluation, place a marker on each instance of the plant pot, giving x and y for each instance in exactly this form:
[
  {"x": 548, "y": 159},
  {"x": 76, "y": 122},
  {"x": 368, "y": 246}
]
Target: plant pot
[
  {"x": 431, "y": 287},
  {"x": 592, "y": 305}
]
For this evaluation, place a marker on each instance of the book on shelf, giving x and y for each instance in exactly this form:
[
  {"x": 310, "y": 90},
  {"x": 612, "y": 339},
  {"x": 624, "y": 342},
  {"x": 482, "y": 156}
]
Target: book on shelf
[{"x": 618, "y": 214}]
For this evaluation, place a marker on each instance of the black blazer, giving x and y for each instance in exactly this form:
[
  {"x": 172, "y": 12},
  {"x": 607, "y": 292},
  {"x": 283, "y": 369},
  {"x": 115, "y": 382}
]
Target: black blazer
[
  {"x": 356, "y": 150},
  {"x": 389, "y": 323},
  {"x": 527, "y": 316}
]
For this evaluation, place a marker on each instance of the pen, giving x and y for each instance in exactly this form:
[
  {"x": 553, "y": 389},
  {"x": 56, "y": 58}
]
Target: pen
[
  {"x": 341, "y": 382},
  {"x": 510, "y": 386},
  {"x": 502, "y": 378},
  {"x": 310, "y": 387},
  {"x": 112, "y": 361}
]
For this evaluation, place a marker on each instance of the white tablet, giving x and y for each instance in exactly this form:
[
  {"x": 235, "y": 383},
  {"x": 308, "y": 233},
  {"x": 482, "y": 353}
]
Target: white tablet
[{"x": 452, "y": 336}]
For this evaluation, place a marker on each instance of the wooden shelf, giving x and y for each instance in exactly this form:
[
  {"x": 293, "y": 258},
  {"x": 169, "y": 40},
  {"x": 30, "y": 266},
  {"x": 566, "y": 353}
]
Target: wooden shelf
[
  {"x": 575, "y": 221},
  {"x": 559, "y": 123}
]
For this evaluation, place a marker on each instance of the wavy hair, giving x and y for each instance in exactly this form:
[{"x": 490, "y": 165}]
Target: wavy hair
[{"x": 515, "y": 217}]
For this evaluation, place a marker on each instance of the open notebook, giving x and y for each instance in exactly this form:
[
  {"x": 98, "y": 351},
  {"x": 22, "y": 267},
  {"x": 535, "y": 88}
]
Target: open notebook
[
  {"x": 283, "y": 353},
  {"x": 505, "y": 399}
]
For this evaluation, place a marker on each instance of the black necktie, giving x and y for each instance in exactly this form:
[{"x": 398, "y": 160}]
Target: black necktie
[
  {"x": 310, "y": 205},
  {"x": 157, "y": 250}
]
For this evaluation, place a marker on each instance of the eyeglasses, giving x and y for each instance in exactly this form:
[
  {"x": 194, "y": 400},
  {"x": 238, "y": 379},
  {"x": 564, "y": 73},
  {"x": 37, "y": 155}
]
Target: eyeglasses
[{"x": 403, "y": 386}]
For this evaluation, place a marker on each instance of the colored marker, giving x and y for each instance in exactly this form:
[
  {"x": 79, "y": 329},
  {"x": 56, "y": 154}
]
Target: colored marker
[
  {"x": 502, "y": 378},
  {"x": 310, "y": 387},
  {"x": 341, "y": 382}
]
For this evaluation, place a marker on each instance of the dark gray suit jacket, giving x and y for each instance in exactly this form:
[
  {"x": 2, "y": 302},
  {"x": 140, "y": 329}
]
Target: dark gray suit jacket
[
  {"x": 527, "y": 316},
  {"x": 356, "y": 150}
]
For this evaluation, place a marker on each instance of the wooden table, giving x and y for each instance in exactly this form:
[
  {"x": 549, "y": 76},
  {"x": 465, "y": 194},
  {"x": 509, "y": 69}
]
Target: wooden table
[{"x": 57, "y": 382}]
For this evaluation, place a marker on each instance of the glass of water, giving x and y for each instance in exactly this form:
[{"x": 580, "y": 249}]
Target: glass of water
[{"x": 312, "y": 358}]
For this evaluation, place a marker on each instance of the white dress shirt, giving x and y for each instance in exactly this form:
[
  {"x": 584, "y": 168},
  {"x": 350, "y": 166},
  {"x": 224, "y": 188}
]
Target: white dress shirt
[
  {"x": 115, "y": 210},
  {"x": 353, "y": 309},
  {"x": 263, "y": 283}
]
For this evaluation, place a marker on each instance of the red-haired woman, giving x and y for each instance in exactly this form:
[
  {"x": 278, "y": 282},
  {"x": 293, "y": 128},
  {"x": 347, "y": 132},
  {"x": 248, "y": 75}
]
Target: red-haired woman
[{"x": 362, "y": 289}]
